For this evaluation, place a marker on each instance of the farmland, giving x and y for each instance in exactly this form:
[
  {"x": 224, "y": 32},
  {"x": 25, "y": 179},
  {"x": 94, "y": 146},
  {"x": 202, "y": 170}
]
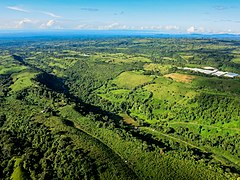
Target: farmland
[{"x": 118, "y": 108}]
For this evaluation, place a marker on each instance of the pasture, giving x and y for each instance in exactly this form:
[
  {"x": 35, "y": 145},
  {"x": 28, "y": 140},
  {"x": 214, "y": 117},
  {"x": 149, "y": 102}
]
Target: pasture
[
  {"x": 131, "y": 79},
  {"x": 22, "y": 80},
  {"x": 180, "y": 77}
]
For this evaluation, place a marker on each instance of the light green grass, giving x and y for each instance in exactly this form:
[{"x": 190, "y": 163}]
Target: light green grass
[
  {"x": 171, "y": 91},
  {"x": 52, "y": 64},
  {"x": 120, "y": 58},
  {"x": 236, "y": 60},
  {"x": 163, "y": 69},
  {"x": 10, "y": 70},
  {"x": 118, "y": 95},
  {"x": 22, "y": 80},
  {"x": 131, "y": 80},
  {"x": 187, "y": 57},
  {"x": 17, "y": 173}
]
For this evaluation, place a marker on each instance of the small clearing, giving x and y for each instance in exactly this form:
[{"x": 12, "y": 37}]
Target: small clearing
[{"x": 181, "y": 77}]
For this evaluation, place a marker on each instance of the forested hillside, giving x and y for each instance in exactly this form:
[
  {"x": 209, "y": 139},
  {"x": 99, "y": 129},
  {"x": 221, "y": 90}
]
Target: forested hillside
[{"x": 118, "y": 108}]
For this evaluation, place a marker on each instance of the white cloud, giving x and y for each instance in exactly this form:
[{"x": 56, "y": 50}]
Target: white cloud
[
  {"x": 171, "y": 28},
  {"x": 51, "y": 14},
  {"x": 51, "y": 24},
  {"x": 191, "y": 29},
  {"x": 23, "y": 22},
  {"x": 82, "y": 26},
  {"x": 16, "y": 8},
  {"x": 194, "y": 29},
  {"x": 201, "y": 29},
  {"x": 111, "y": 26},
  {"x": 117, "y": 26}
]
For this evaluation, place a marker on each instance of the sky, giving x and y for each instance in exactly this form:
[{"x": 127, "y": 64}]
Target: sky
[{"x": 166, "y": 16}]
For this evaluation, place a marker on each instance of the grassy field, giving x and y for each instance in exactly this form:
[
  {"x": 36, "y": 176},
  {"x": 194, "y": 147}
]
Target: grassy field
[
  {"x": 118, "y": 95},
  {"x": 187, "y": 57},
  {"x": 10, "y": 70},
  {"x": 22, "y": 80},
  {"x": 128, "y": 120},
  {"x": 120, "y": 58},
  {"x": 180, "y": 77},
  {"x": 236, "y": 60},
  {"x": 131, "y": 80},
  {"x": 17, "y": 172},
  {"x": 9, "y": 66},
  {"x": 169, "y": 90},
  {"x": 163, "y": 69}
]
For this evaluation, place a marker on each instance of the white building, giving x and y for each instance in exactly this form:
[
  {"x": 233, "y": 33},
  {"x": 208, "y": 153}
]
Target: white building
[{"x": 231, "y": 75}]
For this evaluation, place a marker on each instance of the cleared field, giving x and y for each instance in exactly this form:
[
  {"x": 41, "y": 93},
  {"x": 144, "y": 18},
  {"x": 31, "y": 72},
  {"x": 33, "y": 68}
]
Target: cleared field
[
  {"x": 187, "y": 57},
  {"x": 171, "y": 92},
  {"x": 165, "y": 89},
  {"x": 8, "y": 65},
  {"x": 163, "y": 69},
  {"x": 131, "y": 80},
  {"x": 236, "y": 60},
  {"x": 120, "y": 58},
  {"x": 169, "y": 59},
  {"x": 17, "y": 173},
  {"x": 62, "y": 62},
  {"x": 180, "y": 77},
  {"x": 9, "y": 70},
  {"x": 115, "y": 95},
  {"x": 128, "y": 120},
  {"x": 22, "y": 80}
]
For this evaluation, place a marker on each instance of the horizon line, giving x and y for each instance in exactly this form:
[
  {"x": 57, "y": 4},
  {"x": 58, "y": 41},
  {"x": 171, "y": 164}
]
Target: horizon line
[{"x": 105, "y": 30}]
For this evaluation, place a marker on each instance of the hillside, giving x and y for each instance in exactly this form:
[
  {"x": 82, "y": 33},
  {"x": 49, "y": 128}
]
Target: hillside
[{"x": 119, "y": 108}]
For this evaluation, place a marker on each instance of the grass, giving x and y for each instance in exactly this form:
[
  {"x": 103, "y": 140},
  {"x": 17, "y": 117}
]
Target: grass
[
  {"x": 236, "y": 60},
  {"x": 22, "y": 80},
  {"x": 118, "y": 95},
  {"x": 169, "y": 59},
  {"x": 163, "y": 69},
  {"x": 128, "y": 120},
  {"x": 10, "y": 70},
  {"x": 130, "y": 80},
  {"x": 52, "y": 64},
  {"x": 120, "y": 58},
  {"x": 164, "y": 89},
  {"x": 8, "y": 65},
  {"x": 17, "y": 173},
  {"x": 180, "y": 77},
  {"x": 187, "y": 57}
]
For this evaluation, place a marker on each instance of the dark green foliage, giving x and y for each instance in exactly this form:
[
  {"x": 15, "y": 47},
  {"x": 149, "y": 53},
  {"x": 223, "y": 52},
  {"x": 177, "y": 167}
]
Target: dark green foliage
[{"x": 44, "y": 154}]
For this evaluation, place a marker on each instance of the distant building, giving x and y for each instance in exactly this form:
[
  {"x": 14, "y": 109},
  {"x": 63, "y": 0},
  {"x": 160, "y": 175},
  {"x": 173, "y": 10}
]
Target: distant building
[
  {"x": 209, "y": 68},
  {"x": 231, "y": 75},
  {"x": 212, "y": 71},
  {"x": 219, "y": 73}
]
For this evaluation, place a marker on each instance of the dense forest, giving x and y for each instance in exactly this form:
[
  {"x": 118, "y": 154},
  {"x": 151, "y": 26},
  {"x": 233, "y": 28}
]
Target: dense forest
[{"x": 118, "y": 108}]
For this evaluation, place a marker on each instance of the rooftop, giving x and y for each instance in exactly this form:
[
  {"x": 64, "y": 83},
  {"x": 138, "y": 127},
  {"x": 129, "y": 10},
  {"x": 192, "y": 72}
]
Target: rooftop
[{"x": 212, "y": 71}]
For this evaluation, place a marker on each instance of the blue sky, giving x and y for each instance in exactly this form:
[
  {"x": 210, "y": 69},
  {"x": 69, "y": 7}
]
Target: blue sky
[{"x": 171, "y": 16}]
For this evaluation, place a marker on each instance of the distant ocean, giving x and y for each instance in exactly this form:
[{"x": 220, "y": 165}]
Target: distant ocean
[{"x": 107, "y": 33}]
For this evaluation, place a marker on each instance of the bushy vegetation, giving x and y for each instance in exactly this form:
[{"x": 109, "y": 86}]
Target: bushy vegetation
[{"x": 118, "y": 108}]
